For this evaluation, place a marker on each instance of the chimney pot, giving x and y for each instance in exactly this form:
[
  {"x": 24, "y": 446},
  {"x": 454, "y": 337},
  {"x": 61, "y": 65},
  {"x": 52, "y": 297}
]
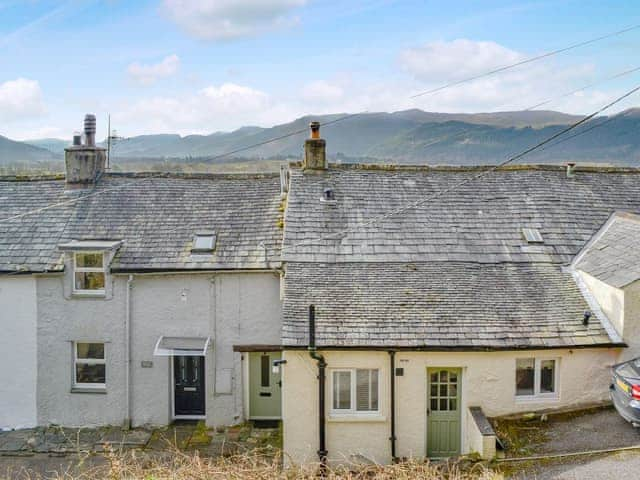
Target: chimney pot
[
  {"x": 315, "y": 149},
  {"x": 315, "y": 130}
]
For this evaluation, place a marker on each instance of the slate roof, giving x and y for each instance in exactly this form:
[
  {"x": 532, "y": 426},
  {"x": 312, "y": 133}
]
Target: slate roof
[
  {"x": 481, "y": 221},
  {"x": 614, "y": 254},
  {"x": 437, "y": 305},
  {"x": 453, "y": 272},
  {"x": 155, "y": 216}
]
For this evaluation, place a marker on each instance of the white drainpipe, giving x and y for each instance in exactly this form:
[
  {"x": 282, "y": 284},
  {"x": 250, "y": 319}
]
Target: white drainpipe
[{"x": 127, "y": 350}]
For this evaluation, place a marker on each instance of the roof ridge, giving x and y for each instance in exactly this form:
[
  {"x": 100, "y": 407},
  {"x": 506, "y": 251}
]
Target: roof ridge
[
  {"x": 472, "y": 168},
  {"x": 180, "y": 175}
]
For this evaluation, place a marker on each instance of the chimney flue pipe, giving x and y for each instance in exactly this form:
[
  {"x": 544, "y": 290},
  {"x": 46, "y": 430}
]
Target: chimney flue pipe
[
  {"x": 90, "y": 130},
  {"x": 322, "y": 366}
]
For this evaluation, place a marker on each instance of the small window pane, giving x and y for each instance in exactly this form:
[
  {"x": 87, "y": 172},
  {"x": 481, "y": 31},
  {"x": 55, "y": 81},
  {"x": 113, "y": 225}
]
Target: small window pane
[
  {"x": 453, "y": 377},
  {"x": 434, "y": 404},
  {"x": 341, "y": 390},
  {"x": 366, "y": 390},
  {"x": 547, "y": 376},
  {"x": 453, "y": 405},
  {"x": 86, "y": 373},
  {"x": 453, "y": 390},
  {"x": 443, "y": 390},
  {"x": 89, "y": 260},
  {"x": 264, "y": 370},
  {"x": 434, "y": 390},
  {"x": 525, "y": 376},
  {"x": 444, "y": 376},
  {"x": 443, "y": 404},
  {"x": 434, "y": 377},
  {"x": 89, "y": 280},
  {"x": 93, "y": 351}
]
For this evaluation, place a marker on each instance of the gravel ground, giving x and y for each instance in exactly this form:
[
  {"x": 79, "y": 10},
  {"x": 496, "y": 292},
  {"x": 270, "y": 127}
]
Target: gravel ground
[
  {"x": 596, "y": 467},
  {"x": 592, "y": 431}
]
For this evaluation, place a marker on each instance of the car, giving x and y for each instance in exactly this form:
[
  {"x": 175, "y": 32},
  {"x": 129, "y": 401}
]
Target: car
[{"x": 625, "y": 390}]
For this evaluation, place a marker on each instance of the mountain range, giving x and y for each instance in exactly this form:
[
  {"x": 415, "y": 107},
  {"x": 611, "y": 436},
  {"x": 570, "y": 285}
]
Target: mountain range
[{"x": 406, "y": 137}]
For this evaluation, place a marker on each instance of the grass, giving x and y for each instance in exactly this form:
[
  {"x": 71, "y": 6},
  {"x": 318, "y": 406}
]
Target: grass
[{"x": 179, "y": 465}]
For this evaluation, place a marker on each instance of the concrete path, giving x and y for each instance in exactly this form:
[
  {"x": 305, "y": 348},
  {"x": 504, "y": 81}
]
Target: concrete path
[{"x": 610, "y": 467}]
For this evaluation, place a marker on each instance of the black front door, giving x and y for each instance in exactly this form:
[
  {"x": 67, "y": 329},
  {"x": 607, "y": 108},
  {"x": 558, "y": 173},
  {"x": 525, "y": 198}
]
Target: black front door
[{"x": 188, "y": 375}]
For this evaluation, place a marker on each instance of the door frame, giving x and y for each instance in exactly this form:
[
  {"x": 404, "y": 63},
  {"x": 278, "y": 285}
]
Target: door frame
[
  {"x": 461, "y": 406},
  {"x": 173, "y": 393},
  {"x": 247, "y": 386}
]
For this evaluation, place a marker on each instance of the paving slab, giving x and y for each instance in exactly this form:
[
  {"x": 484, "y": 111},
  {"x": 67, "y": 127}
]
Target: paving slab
[{"x": 15, "y": 440}]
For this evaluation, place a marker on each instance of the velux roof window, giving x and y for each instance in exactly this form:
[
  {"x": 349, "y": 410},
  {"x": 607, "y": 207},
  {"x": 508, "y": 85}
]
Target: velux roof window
[
  {"x": 532, "y": 235},
  {"x": 204, "y": 242}
]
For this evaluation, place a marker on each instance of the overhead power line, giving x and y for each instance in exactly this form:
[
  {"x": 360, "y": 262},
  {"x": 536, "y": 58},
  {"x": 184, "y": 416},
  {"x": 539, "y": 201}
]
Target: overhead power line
[
  {"x": 334, "y": 121},
  {"x": 438, "y": 89},
  {"x": 525, "y": 61},
  {"x": 566, "y": 94},
  {"x": 473, "y": 178}
]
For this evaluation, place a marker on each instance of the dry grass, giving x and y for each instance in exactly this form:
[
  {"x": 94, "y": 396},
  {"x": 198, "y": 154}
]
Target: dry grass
[{"x": 178, "y": 465}]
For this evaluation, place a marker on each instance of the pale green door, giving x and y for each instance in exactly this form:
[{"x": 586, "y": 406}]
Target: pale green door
[
  {"x": 443, "y": 412},
  {"x": 264, "y": 386}
]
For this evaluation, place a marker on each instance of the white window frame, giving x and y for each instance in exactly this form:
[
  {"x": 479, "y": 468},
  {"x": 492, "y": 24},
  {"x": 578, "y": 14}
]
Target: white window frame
[
  {"x": 537, "y": 395},
  {"x": 352, "y": 411},
  {"x": 77, "y": 269},
  {"x": 89, "y": 361}
]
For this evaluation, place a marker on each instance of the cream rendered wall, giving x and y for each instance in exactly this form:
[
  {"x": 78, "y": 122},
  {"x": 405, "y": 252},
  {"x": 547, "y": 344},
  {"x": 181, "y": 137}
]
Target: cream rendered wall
[
  {"x": 610, "y": 299},
  {"x": 488, "y": 381},
  {"x": 18, "y": 347},
  {"x": 632, "y": 321}
]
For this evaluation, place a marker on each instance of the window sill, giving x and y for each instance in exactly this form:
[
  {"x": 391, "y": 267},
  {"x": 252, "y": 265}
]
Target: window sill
[
  {"x": 88, "y": 294},
  {"x": 97, "y": 390},
  {"x": 537, "y": 399},
  {"x": 355, "y": 418}
]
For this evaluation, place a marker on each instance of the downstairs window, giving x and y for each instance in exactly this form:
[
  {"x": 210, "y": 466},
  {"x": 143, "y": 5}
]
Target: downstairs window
[
  {"x": 89, "y": 369},
  {"x": 536, "y": 378},
  {"x": 355, "y": 391}
]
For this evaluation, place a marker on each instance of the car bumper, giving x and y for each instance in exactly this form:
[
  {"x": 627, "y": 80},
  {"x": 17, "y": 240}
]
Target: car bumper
[{"x": 626, "y": 410}]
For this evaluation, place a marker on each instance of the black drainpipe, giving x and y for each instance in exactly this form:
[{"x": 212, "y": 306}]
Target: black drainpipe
[
  {"x": 322, "y": 365},
  {"x": 392, "y": 364}
]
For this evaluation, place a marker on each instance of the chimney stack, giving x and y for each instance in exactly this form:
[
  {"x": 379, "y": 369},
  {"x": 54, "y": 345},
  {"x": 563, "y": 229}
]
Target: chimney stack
[
  {"x": 84, "y": 162},
  {"x": 315, "y": 149}
]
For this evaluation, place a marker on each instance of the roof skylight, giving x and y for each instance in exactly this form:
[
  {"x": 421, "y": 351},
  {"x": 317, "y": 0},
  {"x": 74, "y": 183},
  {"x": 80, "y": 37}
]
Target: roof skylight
[
  {"x": 204, "y": 242},
  {"x": 532, "y": 235}
]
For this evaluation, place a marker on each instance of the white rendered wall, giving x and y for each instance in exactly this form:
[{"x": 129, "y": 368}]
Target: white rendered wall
[{"x": 18, "y": 351}]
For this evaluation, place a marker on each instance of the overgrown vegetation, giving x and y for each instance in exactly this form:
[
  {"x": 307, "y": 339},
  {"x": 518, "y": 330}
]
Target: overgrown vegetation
[{"x": 258, "y": 465}]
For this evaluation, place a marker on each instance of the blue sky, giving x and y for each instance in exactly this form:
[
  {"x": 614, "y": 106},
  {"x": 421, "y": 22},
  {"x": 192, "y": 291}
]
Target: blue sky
[{"x": 199, "y": 66}]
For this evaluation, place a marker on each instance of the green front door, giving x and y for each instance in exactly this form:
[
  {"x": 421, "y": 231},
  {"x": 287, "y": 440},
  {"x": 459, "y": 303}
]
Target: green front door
[
  {"x": 443, "y": 412},
  {"x": 264, "y": 386}
]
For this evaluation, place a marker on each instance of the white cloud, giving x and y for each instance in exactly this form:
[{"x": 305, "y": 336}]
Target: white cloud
[
  {"x": 446, "y": 61},
  {"x": 20, "y": 99},
  {"x": 322, "y": 91},
  {"x": 149, "y": 74},
  {"x": 229, "y": 19},
  {"x": 210, "y": 109}
]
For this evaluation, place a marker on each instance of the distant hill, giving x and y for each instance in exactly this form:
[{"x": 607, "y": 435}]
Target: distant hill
[
  {"x": 409, "y": 137},
  {"x": 54, "y": 145},
  {"x": 12, "y": 151}
]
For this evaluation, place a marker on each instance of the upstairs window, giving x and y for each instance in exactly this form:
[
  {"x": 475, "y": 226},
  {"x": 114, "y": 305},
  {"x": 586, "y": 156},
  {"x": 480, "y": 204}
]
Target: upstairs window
[
  {"x": 536, "y": 378},
  {"x": 204, "y": 242},
  {"x": 89, "y": 272},
  {"x": 355, "y": 391},
  {"x": 89, "y": 365}
]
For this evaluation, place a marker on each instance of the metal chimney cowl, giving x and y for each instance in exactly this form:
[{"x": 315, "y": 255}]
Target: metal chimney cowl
[{"x": 84, "y": 163}]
